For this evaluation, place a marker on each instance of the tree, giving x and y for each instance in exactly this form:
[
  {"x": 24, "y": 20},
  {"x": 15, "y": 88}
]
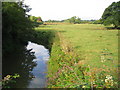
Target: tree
[
  {"x": 36, "y": 20},
  {"x": 111, "y": 15},
  {"x": 97, "y": 21},
  {"x": 33, "y": 18},
  {"x": 39, "y": 20},
  {"x": 78, "y": 20},
  {"x": 16, "y": 26},
  {"x": 73, "y": 20}
]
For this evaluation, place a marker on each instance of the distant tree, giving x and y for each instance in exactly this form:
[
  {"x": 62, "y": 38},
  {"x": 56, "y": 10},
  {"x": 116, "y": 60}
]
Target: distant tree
[
  {"x": 66, "y": 21},
  {"x": 33, "y": 18},
  {"x": 73, "y": 20},
  {"x": 111, "y": 15},
  {"x": 97, "y": 21},
  {"x": 78, "y": 20},
  {"x": 49, "y": 20},
  {"x": 36, "y": 20},
  {"x": 39, "y": 20}
]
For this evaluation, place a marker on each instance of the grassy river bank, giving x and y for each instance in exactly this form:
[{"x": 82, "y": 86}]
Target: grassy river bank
[{"x": 83, "y": 55}]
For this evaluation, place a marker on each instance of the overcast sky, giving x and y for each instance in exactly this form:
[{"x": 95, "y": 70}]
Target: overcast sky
[{"x": 64, "y": 9}]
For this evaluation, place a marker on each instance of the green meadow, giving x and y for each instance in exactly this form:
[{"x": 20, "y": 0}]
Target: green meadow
[
  {"x": 83, "y": 55},
  {"x": 83, "y": 49},
  {"x": 91, "y": 42}
]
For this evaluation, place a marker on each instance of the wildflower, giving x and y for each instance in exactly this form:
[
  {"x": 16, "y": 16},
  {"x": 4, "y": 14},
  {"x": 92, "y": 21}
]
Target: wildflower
[
  {"x": 83, "y": 86},
  {"x": 103, "y": 59},
  {"x": 106, "y": 80},
  {"x": 109, "y": 80},
  {"x": 8, "y": 76},
  {"x": 5, "y": 78},
  {"x": 109, "y": 77}
]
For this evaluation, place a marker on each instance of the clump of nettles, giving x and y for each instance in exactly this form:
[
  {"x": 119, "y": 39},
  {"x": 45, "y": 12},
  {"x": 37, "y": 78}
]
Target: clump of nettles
[{"x": 8, "y": 79}]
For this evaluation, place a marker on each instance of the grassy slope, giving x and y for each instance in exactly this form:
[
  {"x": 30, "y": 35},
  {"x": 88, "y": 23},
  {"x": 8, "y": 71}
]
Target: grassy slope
[{"x": 93, "y": 44}]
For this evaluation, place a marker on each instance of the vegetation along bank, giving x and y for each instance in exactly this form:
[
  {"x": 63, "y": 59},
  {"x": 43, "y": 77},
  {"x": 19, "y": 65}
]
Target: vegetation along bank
[{"x": 84, "y": 54}]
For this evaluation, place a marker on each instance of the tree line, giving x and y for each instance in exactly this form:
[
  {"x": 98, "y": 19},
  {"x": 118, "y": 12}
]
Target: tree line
[
  {"x": 75, "y": 20},
  {"x": 110, "y": 16}
]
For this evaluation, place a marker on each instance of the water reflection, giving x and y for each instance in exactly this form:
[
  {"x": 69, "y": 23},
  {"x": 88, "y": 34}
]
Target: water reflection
[
  {"x": 28, "y": 62},
  {"x": 20, "y": 61},
  {"x": 42, "y": 55}
]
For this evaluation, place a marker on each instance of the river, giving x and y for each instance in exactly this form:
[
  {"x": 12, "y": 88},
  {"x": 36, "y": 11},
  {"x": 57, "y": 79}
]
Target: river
[
  {"x": 30, "y": 63},
  {"x": 42, "y": 56}
]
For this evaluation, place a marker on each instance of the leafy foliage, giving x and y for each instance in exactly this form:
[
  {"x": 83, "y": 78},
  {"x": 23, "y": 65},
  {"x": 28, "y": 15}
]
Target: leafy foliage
[
  {"x": 9, "y": 79},
  {"x": 97, "y": 22},
  {"x": 16, "y": 25},
  {"x": 73, "y": 20},
  {"x": 111, "y": 15},
  {"x": 36, "y": 20}
]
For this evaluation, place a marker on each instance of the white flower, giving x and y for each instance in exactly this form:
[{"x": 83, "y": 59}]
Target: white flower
[
  {"x": 109, "y": 77},
  {"x": 83, "y": 86},
  {"x": 106, "y": 80},
  {"x": 8, "y": 76},
  {"x": 109, "y": 80}
]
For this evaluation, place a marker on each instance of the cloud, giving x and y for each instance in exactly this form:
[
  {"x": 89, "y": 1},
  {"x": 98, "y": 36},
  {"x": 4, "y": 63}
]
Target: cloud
[
  {"x": 41, "y": 52},
  {"x": 64, "y": 9}
]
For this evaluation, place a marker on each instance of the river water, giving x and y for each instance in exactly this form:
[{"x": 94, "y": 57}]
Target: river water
[
  {"x": 30, "y": 63},
  {"x": 42, "y": 56}
]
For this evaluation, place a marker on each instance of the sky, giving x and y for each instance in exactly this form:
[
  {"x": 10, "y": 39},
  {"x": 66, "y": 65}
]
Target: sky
[
  {"x": 41, "y": 52},
  {"x": 64, "y": 9}
]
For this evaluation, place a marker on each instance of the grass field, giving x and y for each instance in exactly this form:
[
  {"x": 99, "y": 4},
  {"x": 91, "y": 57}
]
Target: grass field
[
  {"x": 85, "y": 45},
  {"x": 92, "y": 42}
]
